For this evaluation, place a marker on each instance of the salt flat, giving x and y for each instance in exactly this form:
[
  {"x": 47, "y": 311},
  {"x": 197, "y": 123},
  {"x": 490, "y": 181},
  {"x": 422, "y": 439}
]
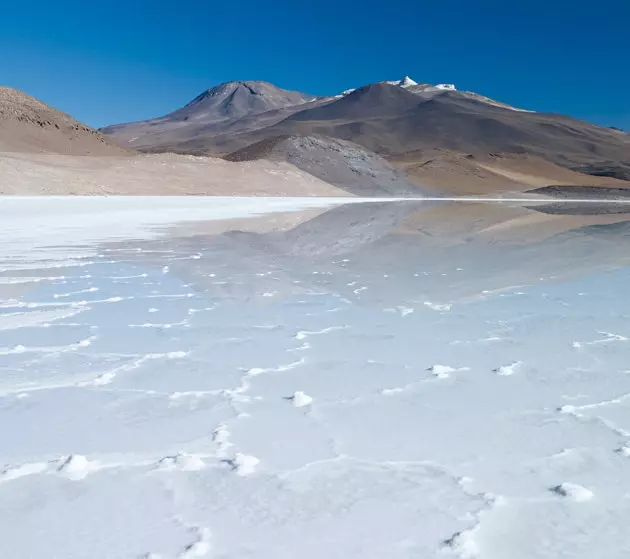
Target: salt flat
[{"x": 274, "y": 379}]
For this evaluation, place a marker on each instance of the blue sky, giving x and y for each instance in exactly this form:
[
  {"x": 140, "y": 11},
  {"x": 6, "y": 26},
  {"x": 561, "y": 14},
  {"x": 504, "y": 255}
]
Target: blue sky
[{"x": 111, "y": 61}]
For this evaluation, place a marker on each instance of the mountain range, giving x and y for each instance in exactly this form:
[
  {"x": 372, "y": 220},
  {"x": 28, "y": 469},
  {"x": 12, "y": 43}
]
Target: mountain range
[
  {"x": 221, "y": 119},
  {"x": 439, "y": 136},
  {"x": 388, "y": 138}
]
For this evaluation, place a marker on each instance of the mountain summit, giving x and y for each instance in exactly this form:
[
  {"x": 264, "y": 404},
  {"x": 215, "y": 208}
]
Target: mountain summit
[{"x": 237, "y": 99}]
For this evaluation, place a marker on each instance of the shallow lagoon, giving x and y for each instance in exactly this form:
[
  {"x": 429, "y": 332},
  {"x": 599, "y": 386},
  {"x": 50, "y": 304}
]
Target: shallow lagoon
[{"x": 384, "y": 379}]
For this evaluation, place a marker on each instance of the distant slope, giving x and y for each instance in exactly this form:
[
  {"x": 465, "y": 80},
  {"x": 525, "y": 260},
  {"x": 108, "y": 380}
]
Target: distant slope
[
  {"x": 343, "y": 164},
  {"x": 28, "y": 125},
  {"x": 371, "y": 101},
  {"x": 583, "y": 191}
]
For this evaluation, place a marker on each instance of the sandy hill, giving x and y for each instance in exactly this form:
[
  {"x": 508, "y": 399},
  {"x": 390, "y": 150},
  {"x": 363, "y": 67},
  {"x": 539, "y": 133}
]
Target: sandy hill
[{"x": 28, "y": 125}]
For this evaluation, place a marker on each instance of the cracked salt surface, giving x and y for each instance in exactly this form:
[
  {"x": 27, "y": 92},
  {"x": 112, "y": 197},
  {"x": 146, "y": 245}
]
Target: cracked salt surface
[{"x": 384, "y": 406}]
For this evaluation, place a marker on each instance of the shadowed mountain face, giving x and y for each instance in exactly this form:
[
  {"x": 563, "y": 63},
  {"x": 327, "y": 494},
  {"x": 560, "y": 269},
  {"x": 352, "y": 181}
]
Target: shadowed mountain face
[
  {"x": 344, "y": 164},
  {"x": 28, "y": 125}
]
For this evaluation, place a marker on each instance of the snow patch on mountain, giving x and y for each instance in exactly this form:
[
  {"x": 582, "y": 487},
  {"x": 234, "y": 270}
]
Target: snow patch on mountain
[
  {"x": 412, "y": 85},
  {"x": 422, "y": 88},
  {"x": 405, "y": 82}
]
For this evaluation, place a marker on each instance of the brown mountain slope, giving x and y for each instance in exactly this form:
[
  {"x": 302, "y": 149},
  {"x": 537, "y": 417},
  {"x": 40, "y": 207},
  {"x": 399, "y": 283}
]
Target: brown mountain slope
[
  {"x": 28, "y": 125},
  {"x": 467, "y": 174}
]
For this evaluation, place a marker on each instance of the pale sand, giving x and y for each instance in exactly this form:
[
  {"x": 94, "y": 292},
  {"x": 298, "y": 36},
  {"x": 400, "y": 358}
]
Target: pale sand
[{"x": 163, "y": 174}]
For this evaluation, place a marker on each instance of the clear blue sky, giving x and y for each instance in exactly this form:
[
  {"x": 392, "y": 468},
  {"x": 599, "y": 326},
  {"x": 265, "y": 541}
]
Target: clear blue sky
[{"x": 111, "y": 61}]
